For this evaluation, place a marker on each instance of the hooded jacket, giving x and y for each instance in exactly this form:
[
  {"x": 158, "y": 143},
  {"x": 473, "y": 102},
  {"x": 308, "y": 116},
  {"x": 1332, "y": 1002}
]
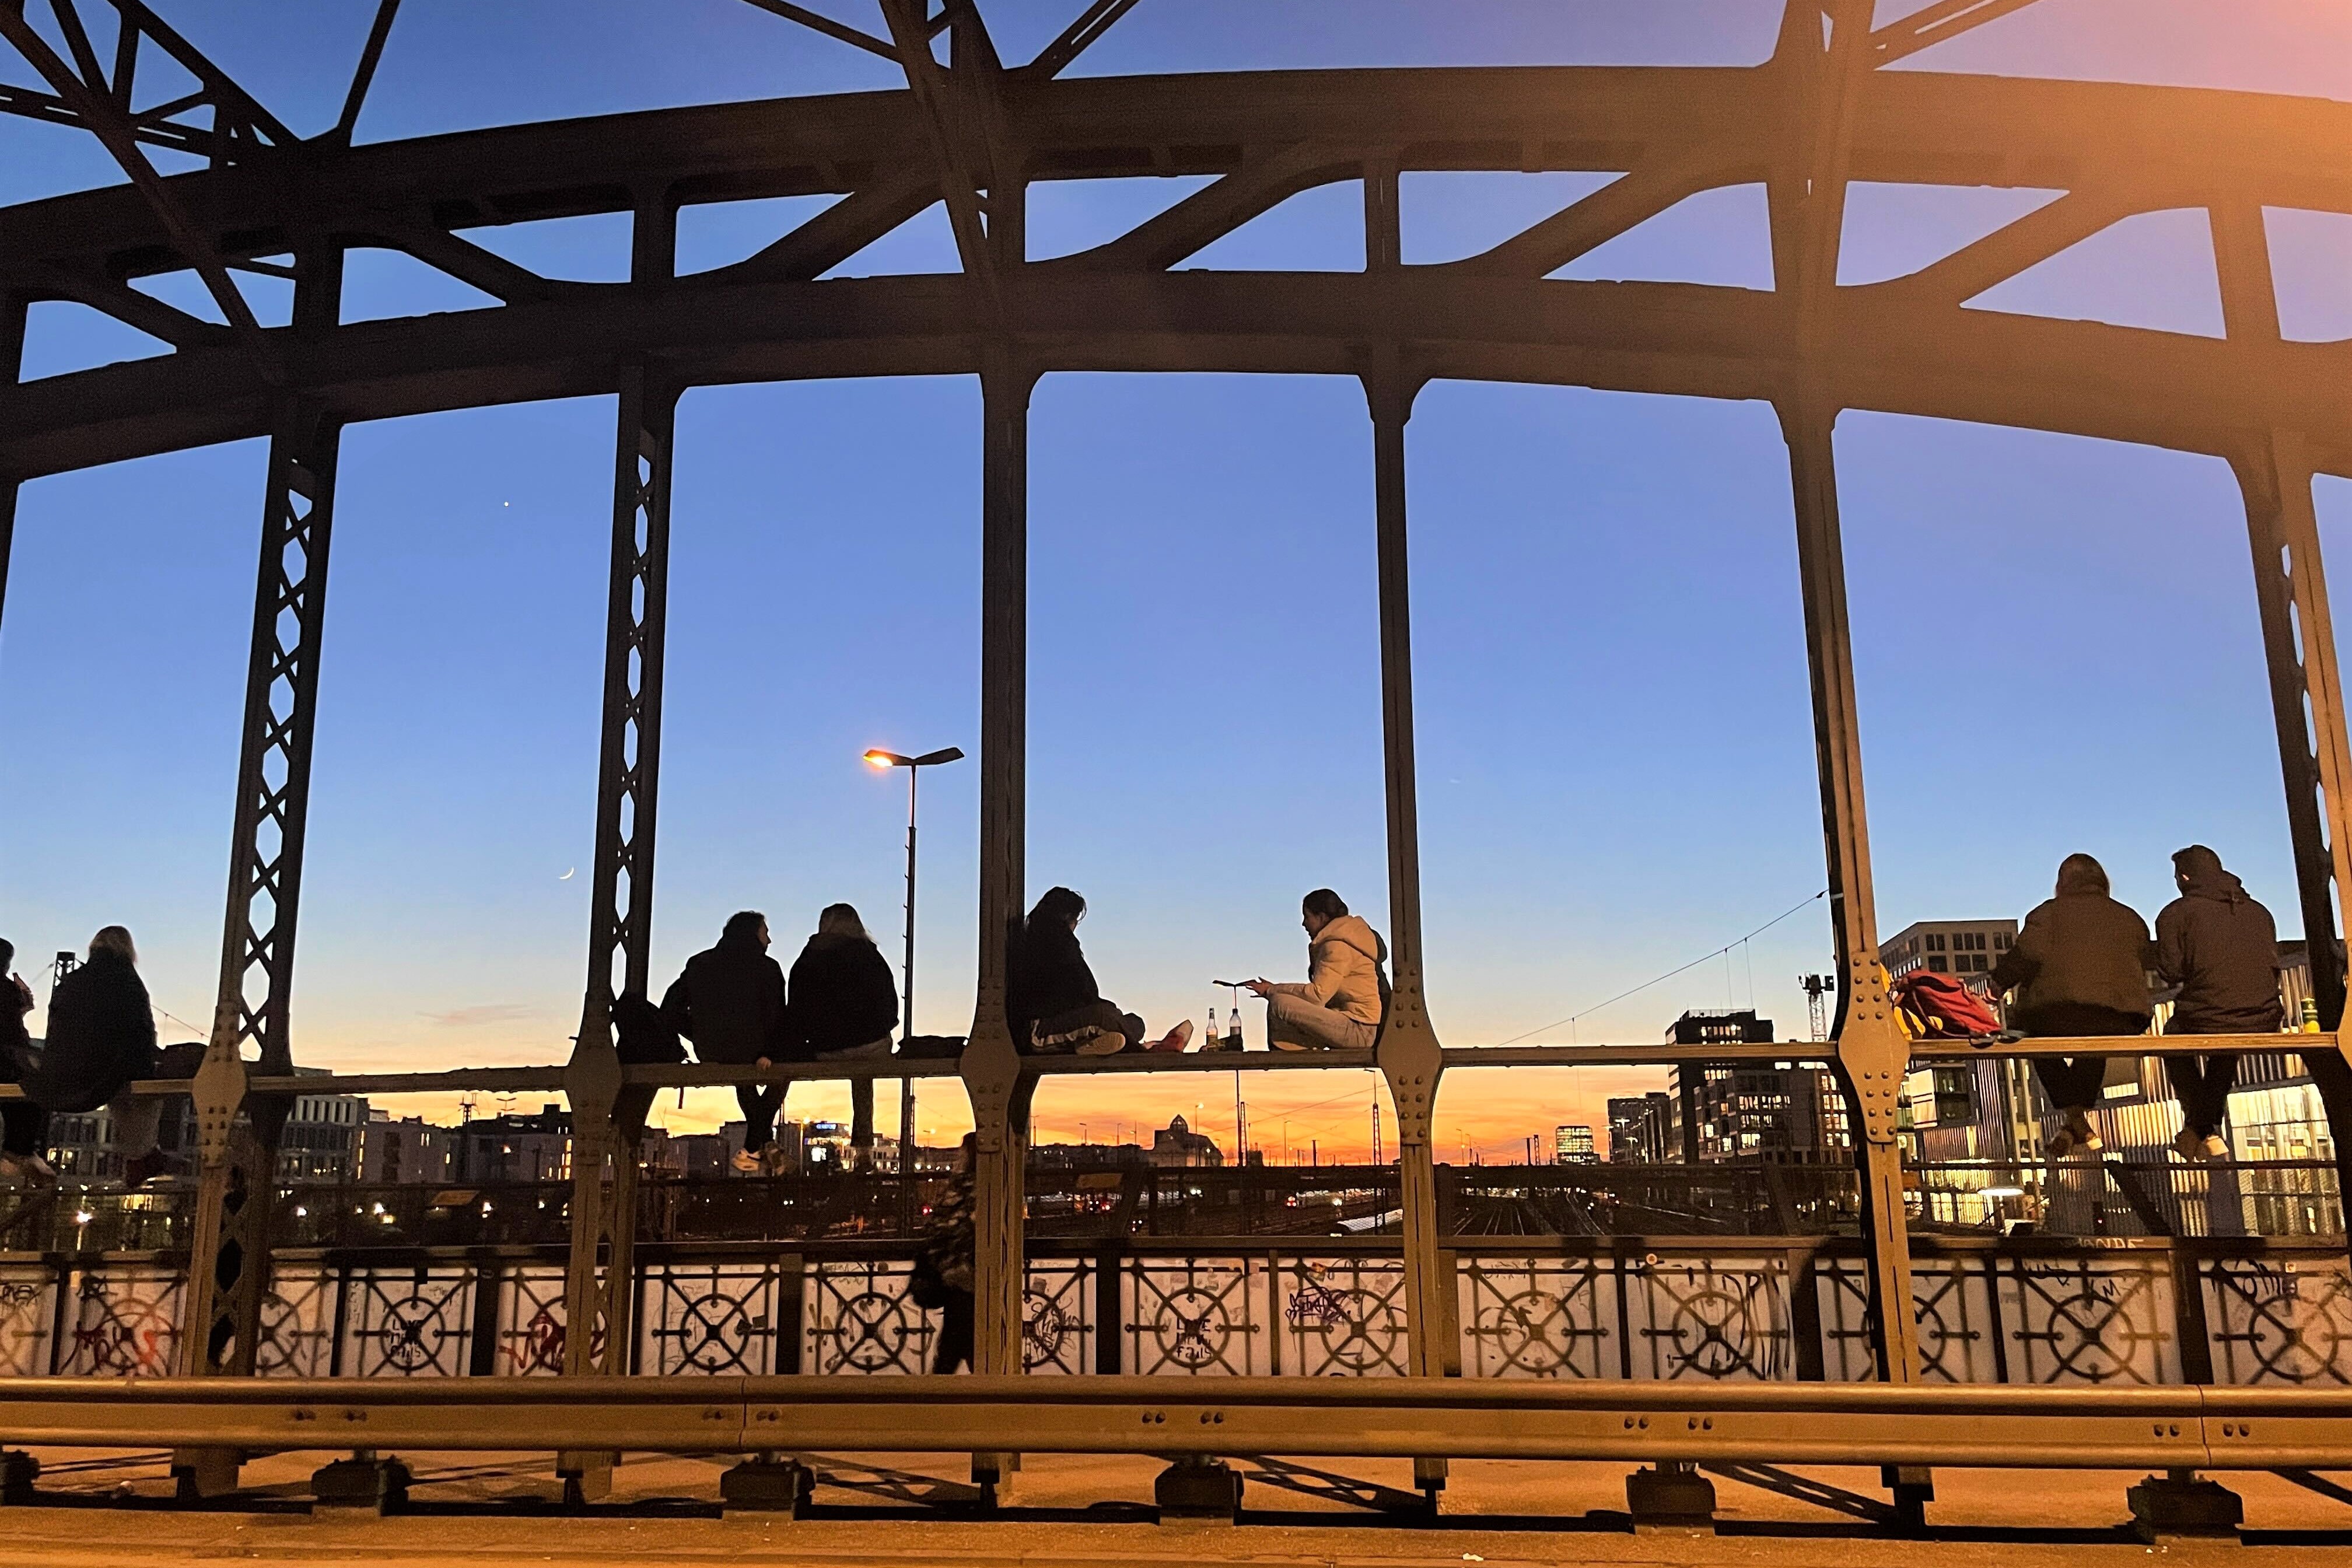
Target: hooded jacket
[
  {"x": 2079, "y": 953},
  {"x": 1343, "y": 969},
  {"x": 843, "y": 994},
  {"x": 102, "y": 1036},
  {"x": 2220, "y": 947},
  {"x": 729, "y": 1001}
]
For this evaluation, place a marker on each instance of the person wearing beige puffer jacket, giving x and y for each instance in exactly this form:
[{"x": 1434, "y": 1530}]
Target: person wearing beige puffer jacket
[{"x": 1346, "y": 991}]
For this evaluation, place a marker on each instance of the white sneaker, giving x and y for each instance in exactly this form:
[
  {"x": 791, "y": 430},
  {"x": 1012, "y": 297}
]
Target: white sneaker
[
  {"x": 746, "y": 1161},
  {"x": 2217, "y": 1147},
  {"x": 1103, "y": 1043},
  {"x": 2188, "y": 1145}
]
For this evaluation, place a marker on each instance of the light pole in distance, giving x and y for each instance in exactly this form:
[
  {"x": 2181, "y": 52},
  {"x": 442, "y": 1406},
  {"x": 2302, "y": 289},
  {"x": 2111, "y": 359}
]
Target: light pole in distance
[{"x": 914, "y": 766}]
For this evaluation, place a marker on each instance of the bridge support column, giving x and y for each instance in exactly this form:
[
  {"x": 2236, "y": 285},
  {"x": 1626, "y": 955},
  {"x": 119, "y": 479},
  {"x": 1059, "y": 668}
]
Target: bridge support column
[
  {"x": 2275, "y": 473},
  {"x": 236, "y": 1137},
  {"x": 228, "y": 1255},
  {"x": 991, "y": 1069},
  {"x": 599, "y": 1294},
  {"x": 1872, "y": 1053},
  {"x": 607, "y": 1120},
  {"x": 1410, "y": 1059},
  {"x": 11, "y": 361}
]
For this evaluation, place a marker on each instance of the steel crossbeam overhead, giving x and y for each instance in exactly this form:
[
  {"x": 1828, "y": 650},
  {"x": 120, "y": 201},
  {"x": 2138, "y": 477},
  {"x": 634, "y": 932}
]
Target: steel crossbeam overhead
[{"x": 968, "y": 131}]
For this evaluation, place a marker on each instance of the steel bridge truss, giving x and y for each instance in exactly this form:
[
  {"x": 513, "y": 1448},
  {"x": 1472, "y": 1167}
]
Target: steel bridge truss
[{"x": 973, "y": 133}]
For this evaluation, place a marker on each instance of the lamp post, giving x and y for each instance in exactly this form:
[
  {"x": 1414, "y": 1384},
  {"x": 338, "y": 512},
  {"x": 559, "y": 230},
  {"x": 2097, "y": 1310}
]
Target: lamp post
[{"x": 914, "y": 766}]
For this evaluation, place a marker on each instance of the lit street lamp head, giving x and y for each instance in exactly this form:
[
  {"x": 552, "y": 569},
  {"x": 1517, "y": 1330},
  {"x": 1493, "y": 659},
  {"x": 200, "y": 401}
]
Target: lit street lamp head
[{"x": 882, "y": 759}]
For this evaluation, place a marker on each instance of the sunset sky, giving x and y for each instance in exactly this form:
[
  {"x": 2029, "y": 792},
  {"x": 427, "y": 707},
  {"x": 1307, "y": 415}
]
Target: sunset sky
[{"x": 1616, "y": 765}]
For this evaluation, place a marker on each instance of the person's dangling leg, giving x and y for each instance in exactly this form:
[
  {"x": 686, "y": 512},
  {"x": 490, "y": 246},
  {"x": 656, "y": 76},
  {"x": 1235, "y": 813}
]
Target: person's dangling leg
[
  {"x": 861, "y": 1120},
  {"x": 956, "y": 1323}
]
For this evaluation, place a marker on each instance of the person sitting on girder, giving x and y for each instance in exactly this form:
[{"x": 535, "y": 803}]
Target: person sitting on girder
[
  {"x": 2080, "y": 967},
  {"x": 24, "y": 1125},
  {"x": 1346, "y": 991},
  {"x": 102, "y": 1036},
  {"x": 729, "y": 1001},
  {"x": 2220, "y": 947},
  {"x": 1051, "y": 998},
  {"x": 844, "y": 1005}
]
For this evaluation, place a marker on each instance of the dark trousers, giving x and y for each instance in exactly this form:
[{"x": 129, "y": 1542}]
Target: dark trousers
[
  {"x": 24, "y": 1127},
  {"x": 2202, "y": 1084},
  {"x": 2073, "y": 1083},
  {"x": 955, "y": 1333},
  {"x": 760, "y": 1108}
]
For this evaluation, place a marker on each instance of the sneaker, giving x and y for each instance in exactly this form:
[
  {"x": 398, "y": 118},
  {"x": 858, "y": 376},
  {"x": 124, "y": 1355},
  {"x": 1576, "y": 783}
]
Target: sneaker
[
  {"x": 747, "y": 1161},
  {"x": 2061, "y": 1143},
  {"x": 771, "y": 1158},
  {"x": 2085, "y": 1136},
  {"x": 1103, "y": 1043},
  {"x": 2190, "y": 1145},
  {"x": 1175, "y": 1039},
  {"x": 2216, "y": 1148}
]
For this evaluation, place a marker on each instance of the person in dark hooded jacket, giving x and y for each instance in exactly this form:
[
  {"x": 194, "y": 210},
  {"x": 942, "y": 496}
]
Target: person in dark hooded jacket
[
  {"x": 102, "y": 1036},
  {"x": 729, "y": 1001},
  {"x": 844, "y": 1004},
  {"x": 2220, "y": 947},
  {"x": 2080, "y": 967}
]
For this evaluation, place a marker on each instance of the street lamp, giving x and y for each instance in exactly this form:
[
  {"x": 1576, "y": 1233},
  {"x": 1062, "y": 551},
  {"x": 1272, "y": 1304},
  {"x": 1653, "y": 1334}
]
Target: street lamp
[{"x": 914, "y": 766}]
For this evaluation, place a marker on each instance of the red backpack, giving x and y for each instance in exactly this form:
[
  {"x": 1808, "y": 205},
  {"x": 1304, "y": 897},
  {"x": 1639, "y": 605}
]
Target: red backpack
[{"x": 1941, "y": 1007}]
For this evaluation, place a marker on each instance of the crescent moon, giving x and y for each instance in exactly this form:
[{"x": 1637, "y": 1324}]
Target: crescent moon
[{"x": 567, "y": 876}]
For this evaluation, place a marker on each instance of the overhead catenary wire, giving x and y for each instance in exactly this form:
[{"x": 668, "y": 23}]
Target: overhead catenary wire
[{"x": 1723, "y": 952}]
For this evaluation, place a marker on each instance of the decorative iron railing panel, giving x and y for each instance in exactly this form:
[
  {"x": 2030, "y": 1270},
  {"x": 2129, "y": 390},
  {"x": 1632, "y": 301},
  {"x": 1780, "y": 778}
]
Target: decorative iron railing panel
[{"x": 1667, "y": 1310}]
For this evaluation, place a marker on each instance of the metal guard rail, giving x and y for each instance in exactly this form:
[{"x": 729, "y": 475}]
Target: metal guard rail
[
  {"x": 714, "y": 1075},
  {"x": 2176, "y": 1428}
]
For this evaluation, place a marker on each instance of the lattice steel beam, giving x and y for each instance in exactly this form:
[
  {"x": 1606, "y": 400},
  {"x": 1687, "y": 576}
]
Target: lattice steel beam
[
  {"x": 608, "y": 1120},
  {"x": 237, "y": 1133},
  {"x": 1932, "y": 25},
  {"x": 108, "y": 116},
  {"x": 1077, "y": 39},
  {"x": 240, "y": 126}
]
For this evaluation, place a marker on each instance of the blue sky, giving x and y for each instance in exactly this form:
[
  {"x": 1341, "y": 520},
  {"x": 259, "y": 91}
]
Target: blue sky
[{"x": 2056, "y": 638}]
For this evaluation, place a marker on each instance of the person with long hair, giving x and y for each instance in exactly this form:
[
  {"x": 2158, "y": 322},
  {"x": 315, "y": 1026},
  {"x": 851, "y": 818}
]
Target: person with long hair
[
  {"x": 844, "y": 1005},
  {"x": 1051, "y": 1000},
  {"x": 101, "y": 1037}
]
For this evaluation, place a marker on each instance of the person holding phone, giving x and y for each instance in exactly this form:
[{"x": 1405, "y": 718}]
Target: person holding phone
[{"x": 1346, "y": 991}]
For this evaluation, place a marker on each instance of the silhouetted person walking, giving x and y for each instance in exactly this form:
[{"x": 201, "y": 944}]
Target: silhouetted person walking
[
  {"x": 2080, "y": 967},
  {"x": 24, "y": 1125},
  {"x": 729, "y": 1001},
  {"x": 944, "y": 1263},
  {"x": 844, "y": 1004},
  {"x": 102, "y": 1036},
  {"x": 2220, "y": 947}
]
